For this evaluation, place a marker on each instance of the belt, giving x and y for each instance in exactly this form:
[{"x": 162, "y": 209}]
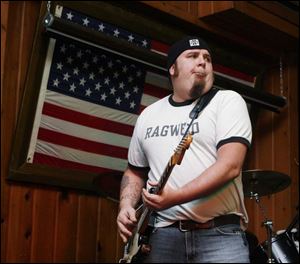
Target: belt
[{"x": 188, "y": 225}]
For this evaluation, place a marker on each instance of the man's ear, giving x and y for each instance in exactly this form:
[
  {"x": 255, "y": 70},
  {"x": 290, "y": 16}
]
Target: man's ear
[{"x": 172, "y": 70}]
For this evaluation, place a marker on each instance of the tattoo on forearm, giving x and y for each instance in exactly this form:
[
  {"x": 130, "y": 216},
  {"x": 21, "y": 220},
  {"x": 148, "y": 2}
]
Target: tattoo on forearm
[{"x": 130, "y": 190}]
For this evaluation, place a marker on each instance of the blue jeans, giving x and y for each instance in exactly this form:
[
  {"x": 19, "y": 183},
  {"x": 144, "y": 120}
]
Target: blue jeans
[{"x": 223, "y": 244}]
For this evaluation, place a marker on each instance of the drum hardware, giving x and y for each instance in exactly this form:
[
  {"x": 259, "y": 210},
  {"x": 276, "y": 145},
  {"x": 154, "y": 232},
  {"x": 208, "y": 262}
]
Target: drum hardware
[
  {"x": 259, "y": 182},
  {"x": 268, "y": 225}
]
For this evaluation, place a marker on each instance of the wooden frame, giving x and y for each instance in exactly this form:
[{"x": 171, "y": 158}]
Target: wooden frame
[
  {"x": 107, "y": 185},
  {"x": 20, "y": 169}
]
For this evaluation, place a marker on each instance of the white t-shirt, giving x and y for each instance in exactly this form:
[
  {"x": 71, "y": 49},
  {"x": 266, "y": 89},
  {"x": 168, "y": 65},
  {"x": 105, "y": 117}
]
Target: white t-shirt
[{"x": 157, "y": 133}]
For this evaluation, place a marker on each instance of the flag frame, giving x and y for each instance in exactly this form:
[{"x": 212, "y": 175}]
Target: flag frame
[{"x": 20, "y": 170}]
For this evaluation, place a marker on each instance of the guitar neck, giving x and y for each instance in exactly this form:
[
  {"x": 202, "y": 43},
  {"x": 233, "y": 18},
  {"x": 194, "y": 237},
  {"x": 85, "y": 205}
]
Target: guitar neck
[{"x": 164, "y": 177}]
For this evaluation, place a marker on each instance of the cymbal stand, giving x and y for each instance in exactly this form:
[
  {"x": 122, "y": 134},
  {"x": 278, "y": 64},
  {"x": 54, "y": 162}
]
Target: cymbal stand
[{"x": 268, "y": 224}]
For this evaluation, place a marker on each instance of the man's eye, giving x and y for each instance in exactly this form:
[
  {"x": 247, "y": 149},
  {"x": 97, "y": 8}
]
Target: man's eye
[{"x": 207, "y": 58}]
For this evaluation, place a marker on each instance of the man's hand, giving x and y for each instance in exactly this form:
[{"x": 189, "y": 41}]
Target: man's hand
[
  {"x": 166, "y": 199},
  {"x": 126, "y": 222}
]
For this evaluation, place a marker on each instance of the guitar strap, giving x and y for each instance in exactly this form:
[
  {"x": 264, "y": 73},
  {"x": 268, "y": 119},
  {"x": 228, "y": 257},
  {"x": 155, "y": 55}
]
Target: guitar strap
[{"x": 201, "y": 104}]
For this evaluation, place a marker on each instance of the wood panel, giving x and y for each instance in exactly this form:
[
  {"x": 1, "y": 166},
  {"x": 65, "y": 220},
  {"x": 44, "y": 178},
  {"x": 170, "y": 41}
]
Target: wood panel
[
  {"x": 20, "y": 228},
  {"x": 66, "y": 227},
  {"x": 107, "y": 244},
  {"x": 292, "y": 88},
  {"x": 40, "y": 224},
  {"x": 4, "y": 132},
  {"x": 43, "y": 225},
  {"x": 275, "y": 148},
  {"x": 87, "y": 224},
  {"x": 14, "y": 67},
  {"x": 224, "y": 19}
]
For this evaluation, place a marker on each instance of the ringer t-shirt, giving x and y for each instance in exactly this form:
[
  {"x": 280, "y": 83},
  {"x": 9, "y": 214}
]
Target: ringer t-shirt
[{"x": 157, "y": 133}]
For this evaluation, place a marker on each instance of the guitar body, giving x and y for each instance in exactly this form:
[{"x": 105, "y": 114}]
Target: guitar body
[
  {"x": 139, "y": 239},
  {"x": 132, "y": 251}
]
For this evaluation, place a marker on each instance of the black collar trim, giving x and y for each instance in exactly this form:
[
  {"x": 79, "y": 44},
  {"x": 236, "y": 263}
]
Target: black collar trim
[{"x": 177, "y": 104}]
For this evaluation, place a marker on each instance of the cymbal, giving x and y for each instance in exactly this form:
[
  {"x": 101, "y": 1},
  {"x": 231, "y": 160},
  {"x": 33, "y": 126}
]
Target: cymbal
[{"x": 264, "y": 182}]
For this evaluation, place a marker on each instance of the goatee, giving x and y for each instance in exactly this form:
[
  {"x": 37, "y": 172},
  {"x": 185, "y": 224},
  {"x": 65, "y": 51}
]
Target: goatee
[{"x": 197, "y": 89}]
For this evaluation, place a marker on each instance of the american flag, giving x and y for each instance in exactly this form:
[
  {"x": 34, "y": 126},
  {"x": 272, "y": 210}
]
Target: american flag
[
  {"x": 90, "y": 106},
  {"x": 90, "y": 99}
]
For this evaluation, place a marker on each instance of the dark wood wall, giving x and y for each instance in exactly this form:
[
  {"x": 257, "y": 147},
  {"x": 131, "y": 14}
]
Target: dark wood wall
[
  {"x": 47, "y": 224},
  {"x": 40, "y": 224}
]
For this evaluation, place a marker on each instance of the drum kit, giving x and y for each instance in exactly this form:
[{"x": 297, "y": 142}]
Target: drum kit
[{"x": 279, "y": 247}]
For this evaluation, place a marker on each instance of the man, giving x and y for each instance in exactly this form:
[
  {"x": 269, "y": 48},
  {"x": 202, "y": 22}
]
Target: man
[{"x": 200, "y": 215}]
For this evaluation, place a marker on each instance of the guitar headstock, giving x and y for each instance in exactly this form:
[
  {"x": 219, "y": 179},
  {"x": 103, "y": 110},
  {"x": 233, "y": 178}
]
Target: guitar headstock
[{"x": 181, "y": 148}]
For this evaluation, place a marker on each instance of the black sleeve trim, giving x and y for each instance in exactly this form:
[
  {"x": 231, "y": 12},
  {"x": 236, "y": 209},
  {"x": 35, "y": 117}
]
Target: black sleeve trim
[
  {"x": 145, "y": 169},
  {"x": 234, "y": 139}
]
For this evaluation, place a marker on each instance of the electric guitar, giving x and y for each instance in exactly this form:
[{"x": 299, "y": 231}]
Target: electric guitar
[{"x": 143, "y": 213}]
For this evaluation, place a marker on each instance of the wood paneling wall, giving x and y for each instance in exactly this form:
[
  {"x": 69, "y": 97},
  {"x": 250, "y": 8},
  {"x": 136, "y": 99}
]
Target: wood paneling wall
[
  {"x": 275, "y": 147},
  {"x": 40, "y": 224}
]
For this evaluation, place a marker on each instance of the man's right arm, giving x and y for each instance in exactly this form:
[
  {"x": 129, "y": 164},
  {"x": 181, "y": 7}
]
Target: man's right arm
[{"x": 132, "y": 184}]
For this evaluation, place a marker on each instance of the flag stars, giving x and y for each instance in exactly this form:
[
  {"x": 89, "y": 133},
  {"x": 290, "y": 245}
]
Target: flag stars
[
  {"x": 97, "y": 86},
  {"x": 138, "y": 74},
  {"x": 116, "y": 33},
  {"x": 130, "y": 79},
  {"x": 92, "y": 76},
  {"x": 121, "y": 85},
  {"x": 101, "y": 27},
  {"x": 144, "y": 43},
  {"x": 135, "y": 89},
  {"x": 127, "y": 94},
  {"x": 85, "y": 22},
  {"x": 69, "y": 16},
  {"x": 79, "y": 54},
  {"x": 124, "y": 69},
  {"x": 110, "y": 64},
  {"x": 63, "y": 48},
  {"x": 72, "y": 87},
  {"x": 118, "y": 101},
  {"x": 95, "y": 59},
  {"x": 88, "y": 92},
  {"x": 103, "y": 97},
  {"x": 85, "y": 65},
  {"x": 116, "y": 75},
  {"x": 82, "y": 81},
  {"x": 132, "y": 104},
  {"x": 101, "y": 70},
  {"x": 112, "y": 91},
  {"x": 130, "y": 38},
  {"x": 106, "y": 81},
  {"x": 76, "y": 71},
  {"x": 66, "y": 76},
  {"x": 59, "y": 66},
  {"x": 56, "y": 82},
  {"x": 69, "y": 60}
]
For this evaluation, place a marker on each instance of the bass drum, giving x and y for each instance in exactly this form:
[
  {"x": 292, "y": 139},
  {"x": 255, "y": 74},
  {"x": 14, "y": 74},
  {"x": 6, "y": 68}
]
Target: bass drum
[{"x": 284, "y": 250}]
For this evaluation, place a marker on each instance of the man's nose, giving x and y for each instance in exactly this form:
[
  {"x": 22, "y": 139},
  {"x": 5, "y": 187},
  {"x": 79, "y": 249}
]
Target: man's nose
[{"x": 201, "y": 61}]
